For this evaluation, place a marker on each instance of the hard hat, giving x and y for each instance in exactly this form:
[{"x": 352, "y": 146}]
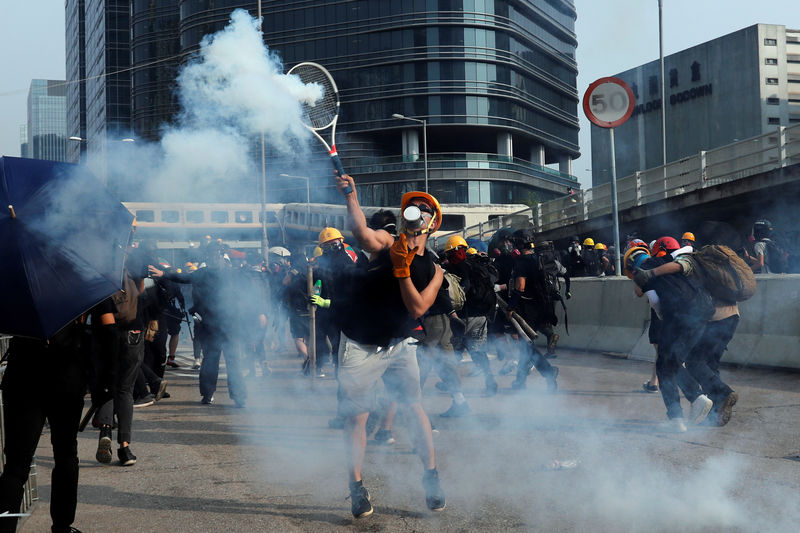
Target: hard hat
[
  {"x": 454, "y": 241},
  {"x": 523, "y": 238},
  {"x": 588, "y": 241},
  {"x": 633, "y": 243},
  {"x": 664, "y": 245},
  {"x": 329, "y": 234},
  {"x": 600, "y": 246},
  {"x": 688, "y": 236},
  {"x": 762, "y": 224},
  {"x": 634, "y": 258},
  {"x": 193, "y": 268},
  {"x": 436, "y": 220},
  {"x": 472, "y": 251},
  {"x": 317, "y": 251},
  {"x": 280, "y": 251}
]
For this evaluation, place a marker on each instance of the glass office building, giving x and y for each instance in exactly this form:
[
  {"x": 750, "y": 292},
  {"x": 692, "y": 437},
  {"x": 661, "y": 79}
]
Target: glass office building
[
  {"x": 47, "y": 120},
  {"x": 495, "y": 80},
  {"x": 74, "y": 12}
]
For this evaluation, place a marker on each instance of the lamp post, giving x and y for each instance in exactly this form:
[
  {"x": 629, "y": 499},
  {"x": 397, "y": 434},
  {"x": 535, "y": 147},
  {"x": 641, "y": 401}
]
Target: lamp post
[
  {"x": 103, "y": 161},
  {"x": 424, "y": 123},
  {"x": 663, "y": 90},
  {"x": 308, "y": 195}
]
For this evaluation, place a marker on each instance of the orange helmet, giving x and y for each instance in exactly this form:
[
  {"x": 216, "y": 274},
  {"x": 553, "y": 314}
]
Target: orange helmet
[
  {"x": 688, "y": 236},
  {"x": 436, "y": 219}
]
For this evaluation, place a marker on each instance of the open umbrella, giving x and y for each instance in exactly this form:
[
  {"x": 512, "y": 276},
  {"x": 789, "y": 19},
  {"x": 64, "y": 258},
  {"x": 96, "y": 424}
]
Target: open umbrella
[{"x": 62, "y": 242}]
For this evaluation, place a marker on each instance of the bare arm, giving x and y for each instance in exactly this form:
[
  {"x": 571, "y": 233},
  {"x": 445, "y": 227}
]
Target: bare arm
[
  {"x": 369, "y": 239},
  {"x": 418, "y": 302}
]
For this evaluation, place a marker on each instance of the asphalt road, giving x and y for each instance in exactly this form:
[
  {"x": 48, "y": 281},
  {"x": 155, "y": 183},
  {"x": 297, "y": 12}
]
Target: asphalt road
[{"x": 275, "y": 466}]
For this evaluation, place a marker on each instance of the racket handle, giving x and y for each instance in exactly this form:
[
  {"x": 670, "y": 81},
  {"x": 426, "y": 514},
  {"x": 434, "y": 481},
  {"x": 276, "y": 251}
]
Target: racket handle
[{"x": 337, "y": 164}]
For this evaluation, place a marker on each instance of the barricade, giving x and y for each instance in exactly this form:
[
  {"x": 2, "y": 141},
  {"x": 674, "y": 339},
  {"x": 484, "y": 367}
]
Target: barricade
[
  {"x": 606, "y": 316},
  {"x": 31, "y": 493}
]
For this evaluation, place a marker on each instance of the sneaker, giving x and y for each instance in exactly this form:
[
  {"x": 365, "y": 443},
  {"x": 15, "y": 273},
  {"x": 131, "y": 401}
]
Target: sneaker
[
  {"x": 648, "y": 387},
  {"x": 196, "y": 364},
  {"x": 172, "y": 363},
  {"x": 509, "y": 368},
  {"x": 104, "y": 454},
  {"x": 457, "y": 410},
  {"x": 552, "y": 384},
  {"x": 491, "y": 387},
  {"x": 207, "y": 400},
  {"x": 673, "y": 425},
  {"x": 145, "y": 401},
  {"x": 359, "y": 500},
  {"x": 162, "y": 390},
  {"x": 700, "y": 408},
  {"x": 434, "y": 495},
  {"x": 441, "y": 386},
  {"x": 434, "y": 431},
  {"x": 725, "y": 411},
  {"x": 551, "y": 346},
  {"x": 166, "y": 395},
  {"x": 126, "y": 457},
  {"x": 384, "y": 436}
]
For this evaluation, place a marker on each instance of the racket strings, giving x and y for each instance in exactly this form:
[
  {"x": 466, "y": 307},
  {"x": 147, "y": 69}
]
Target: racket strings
[{"x": 321, "y": 114}]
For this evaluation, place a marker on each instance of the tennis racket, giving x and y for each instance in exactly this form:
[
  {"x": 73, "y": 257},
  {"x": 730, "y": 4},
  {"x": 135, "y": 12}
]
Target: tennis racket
[{"x": 324, "y": 113}]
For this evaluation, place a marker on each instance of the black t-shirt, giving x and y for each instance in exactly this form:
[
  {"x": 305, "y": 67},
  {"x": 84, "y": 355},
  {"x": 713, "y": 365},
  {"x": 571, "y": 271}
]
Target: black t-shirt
[
  {"x": 681, "y": 297},
  {"x": 374, "y": 312},
  {"x": 526, "y": 266}
]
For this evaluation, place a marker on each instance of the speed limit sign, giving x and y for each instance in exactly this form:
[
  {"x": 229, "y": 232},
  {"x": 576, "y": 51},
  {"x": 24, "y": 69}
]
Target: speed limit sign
[{"x": 608, "y": 102}]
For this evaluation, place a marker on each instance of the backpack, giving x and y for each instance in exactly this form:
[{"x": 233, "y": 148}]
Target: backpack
[
  {"x": 455, "y": 290},
  {"x": 590, "y": 262},
  {"x": 777, "y": 258},
  {"x": 725, "y": 275},
  {"x": 483, "y": 276},
  {"x": 126, "y": 300},
  {"x": 548, "y": 266}
]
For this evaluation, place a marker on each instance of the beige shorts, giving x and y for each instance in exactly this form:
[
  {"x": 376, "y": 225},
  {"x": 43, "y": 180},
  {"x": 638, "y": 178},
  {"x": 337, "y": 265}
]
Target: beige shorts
[{"x": 361, "y": 366}]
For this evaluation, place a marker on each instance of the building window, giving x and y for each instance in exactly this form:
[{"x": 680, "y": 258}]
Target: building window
[
  {"x": 145, "y": 215},
  {"x": 773, "y": 120},
  {"x": 770, "y": 61},
  {"x": 244, "y": 217},
  {"x": 170, "y": 216},
  {"x": 219, "y": 217},
  {"x": 194, "y": 217},
  {"x": 772, "y": 81},
  {"x": 773, "y": 101},
  {"x": 770, "y": 42}
]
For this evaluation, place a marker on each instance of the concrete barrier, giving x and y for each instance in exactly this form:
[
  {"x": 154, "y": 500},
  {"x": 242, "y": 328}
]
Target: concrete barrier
[{"x": 605, "y": 315}]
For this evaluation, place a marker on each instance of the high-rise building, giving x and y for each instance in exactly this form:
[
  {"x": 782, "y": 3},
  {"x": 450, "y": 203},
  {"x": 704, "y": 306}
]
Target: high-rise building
[
  {"x": 75, "y": 18},
  {"x": 735, "y": 87},
  {"x": 47, "y": 120},
  {"x": 23, "y": 140}
]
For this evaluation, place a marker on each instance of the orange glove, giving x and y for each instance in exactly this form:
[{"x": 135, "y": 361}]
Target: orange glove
[{"x": 402, "y": 257}]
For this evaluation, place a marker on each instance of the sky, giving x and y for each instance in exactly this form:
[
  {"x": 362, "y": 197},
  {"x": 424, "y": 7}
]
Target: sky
[{"x": 613, "y": 36}]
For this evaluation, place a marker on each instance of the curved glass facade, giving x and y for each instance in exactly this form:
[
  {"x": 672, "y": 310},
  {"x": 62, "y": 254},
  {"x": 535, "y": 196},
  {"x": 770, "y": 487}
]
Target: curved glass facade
[
  {"x": 492, "y": 78},
  {"x": 154, "y": 38}
]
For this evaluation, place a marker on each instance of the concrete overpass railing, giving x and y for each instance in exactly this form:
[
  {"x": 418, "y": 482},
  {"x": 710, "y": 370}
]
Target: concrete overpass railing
[{"x": 605, "y": 315}]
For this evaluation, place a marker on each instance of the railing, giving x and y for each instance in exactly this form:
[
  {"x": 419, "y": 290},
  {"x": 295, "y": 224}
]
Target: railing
[
  {"x": 707, "y": 169},
  {"x": 31, "y": 493}
]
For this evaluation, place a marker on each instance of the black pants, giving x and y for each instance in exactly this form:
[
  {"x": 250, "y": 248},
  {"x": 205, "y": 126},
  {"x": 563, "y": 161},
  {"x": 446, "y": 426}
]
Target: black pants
[
  {"x": 679, "y": 336},
  {"x": 703, "y": 361},
  {"x": 125, "y": 363},
  {"x": 530, "y": 356},
  {"x": 34, "y": 389}
]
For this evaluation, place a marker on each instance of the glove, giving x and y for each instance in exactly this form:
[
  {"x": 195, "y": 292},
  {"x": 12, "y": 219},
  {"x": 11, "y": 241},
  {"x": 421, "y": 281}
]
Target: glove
[
  {"x": 402, "y": 257},
  {"x": 642, "y": 277},
  {"x": 197, "y": 317},
  {"x": 458, "y": 326},
  {"x": 320, "y": 301},
  {"x": 568, "y": 295}
]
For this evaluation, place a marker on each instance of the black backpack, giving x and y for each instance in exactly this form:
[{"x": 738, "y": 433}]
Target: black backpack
[
  {"x": 777, "y": 258},
  {"x": 591, "y": 262},
  {"x": 548, "y": 267},
  {"x": 483, "y": 276}
]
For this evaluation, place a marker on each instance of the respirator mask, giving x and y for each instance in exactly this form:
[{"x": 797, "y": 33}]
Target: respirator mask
[{"x": 418, "y": 219}]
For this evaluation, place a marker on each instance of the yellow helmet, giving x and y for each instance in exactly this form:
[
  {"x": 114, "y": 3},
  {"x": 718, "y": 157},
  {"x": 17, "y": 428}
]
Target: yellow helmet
[
  {"x": 472, "y": 251},
  {"x": 317, "y": 251},
  {"x": 454, "y": 242},
  {"x": 688, "y": 236},
  {"x": 436, "y": 221},
  {"x": 329, "y": 234},
  {"x": 588, "y": 241},
  {"x": 600, "y": 246}
]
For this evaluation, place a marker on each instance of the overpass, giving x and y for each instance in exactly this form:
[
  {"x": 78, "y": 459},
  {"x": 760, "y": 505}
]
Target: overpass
[{"x": 736, "y": 183}]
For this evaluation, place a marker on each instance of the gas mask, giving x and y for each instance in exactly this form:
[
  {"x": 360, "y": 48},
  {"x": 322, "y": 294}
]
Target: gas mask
[
  {"x": 457, "y": 256},
  {"x": 415, "y": 221},
  {"x": 332, "y": 247}
]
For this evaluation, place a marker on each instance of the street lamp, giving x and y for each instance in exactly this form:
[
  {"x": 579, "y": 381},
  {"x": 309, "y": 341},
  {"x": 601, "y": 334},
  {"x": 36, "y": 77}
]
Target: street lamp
[
  {"x": 308, "y": 196},
  {"x": 424, "y": 123}
]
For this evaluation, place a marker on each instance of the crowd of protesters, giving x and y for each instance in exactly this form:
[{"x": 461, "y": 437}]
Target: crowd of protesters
[{"x": 388, "y": 309}]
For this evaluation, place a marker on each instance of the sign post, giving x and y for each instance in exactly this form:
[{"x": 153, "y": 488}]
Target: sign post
[{"x": 608, "y": 103}]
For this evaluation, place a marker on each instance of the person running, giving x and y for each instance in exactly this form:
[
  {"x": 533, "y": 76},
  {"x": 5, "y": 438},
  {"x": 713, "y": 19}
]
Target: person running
[{"x": 388, "y": 298}]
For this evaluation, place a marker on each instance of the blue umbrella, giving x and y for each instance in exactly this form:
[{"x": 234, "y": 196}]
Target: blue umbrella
[{"x": 62, "y": 242}]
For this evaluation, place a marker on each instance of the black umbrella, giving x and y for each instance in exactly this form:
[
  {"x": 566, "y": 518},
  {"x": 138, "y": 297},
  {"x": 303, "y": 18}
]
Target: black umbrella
[{"x": 62, "y": 242}]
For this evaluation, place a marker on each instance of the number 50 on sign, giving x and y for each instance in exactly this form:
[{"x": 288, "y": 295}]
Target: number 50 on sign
[{"x": 608, "y": 102}]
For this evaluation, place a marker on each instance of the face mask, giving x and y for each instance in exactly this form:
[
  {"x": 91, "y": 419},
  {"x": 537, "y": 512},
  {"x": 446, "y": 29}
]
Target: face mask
[
  {"x": 457, "y": 256},
  {"x": 414, "y": 219}
]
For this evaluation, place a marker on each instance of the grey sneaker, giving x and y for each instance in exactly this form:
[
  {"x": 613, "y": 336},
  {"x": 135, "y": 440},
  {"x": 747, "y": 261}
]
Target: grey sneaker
[
  {"x": 725, "y": 411},
  {"x": 145, "y": 401},
  {"x": 359, "y": 500},
  {"x": 700, "y": 408}
]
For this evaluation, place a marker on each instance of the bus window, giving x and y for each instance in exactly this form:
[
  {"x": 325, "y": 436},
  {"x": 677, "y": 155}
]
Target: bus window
[
  {"x": 170, "y": 216},
  {"x": 244, "y": 217},
  {"x": 271, "y": 217},
  {"x": 220, "y": 217},
  {"x": 145, "y": 215},
  {"x": 452, "y": 222},
  {"x": 195, "y": 217}
]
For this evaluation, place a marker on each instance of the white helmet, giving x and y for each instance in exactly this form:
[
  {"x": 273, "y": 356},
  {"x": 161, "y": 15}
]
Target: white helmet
[{"x": 280, "y": 251}]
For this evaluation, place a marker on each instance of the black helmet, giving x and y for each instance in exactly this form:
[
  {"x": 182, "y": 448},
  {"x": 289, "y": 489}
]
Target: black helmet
[
  {"x": 762, "y": 224},
  {"x": 523, "y": 238}
]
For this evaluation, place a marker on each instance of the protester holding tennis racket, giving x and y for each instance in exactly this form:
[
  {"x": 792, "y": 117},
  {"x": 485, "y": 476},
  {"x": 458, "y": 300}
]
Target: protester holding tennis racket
[{"x": 387, "y": 300}]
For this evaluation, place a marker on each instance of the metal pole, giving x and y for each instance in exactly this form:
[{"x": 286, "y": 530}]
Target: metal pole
[
  {"x": 614, "y": 205},
  {"x": 264, "y": 235},
  {"x": 308, "y": 204},
  {"x": 312, "y": 328},
  {"x": 425, "y": 149},
  {"x": 663, "y": 90}
]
